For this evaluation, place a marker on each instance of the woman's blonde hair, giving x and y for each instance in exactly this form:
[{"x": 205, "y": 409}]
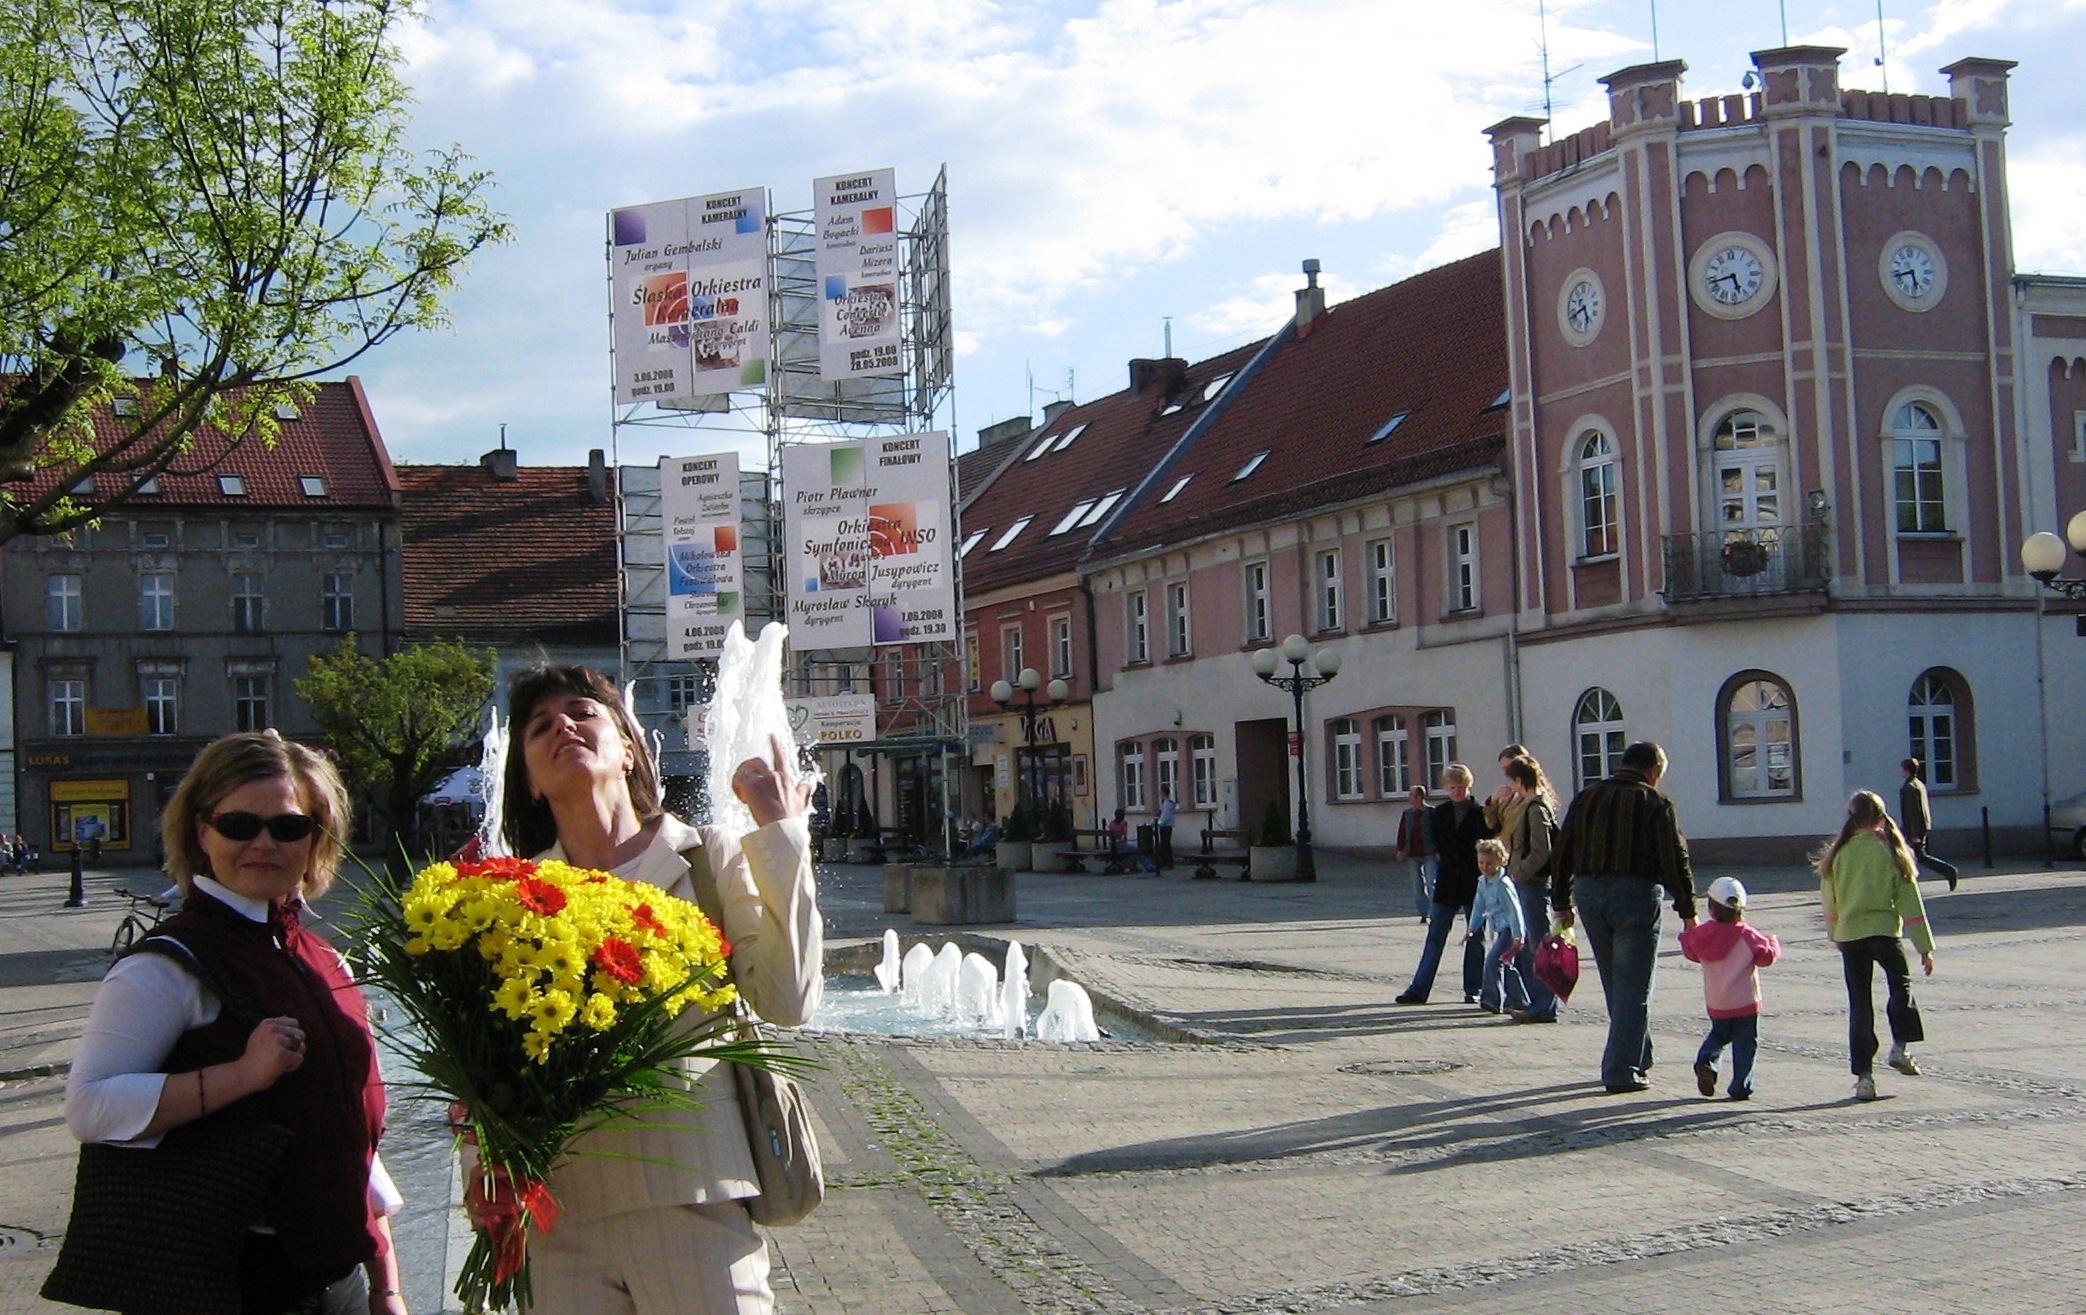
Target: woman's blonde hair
[
  {"x": 225, "y": 765},
  {"x": 1456, "y": 774},
  {"x": 1865, "y": 812}
]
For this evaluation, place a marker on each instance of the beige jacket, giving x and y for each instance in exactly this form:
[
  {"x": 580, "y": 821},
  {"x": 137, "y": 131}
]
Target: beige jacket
[{"x": 770, "y": 916}]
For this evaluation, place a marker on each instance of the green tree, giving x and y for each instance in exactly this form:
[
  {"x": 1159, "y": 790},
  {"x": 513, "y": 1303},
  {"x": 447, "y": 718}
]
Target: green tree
[
  {"x": 220, "y": 193},
  {"x": 398, "y": 723}
]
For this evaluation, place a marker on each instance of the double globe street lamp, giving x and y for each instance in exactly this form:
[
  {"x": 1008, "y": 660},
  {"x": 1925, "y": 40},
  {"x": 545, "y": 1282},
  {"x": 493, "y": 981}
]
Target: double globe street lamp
[
  {"x": 1307, "y": 670},
  {"x": 2043, "y": 554},
  {"x": 1029, "y": 680}
]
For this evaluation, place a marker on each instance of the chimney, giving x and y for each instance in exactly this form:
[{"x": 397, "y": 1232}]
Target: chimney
[
  {"x": 1008, "y": 431},
  {"x": 597, "y": 476},
  {"x": 501, "y": 463},
  {"x": 1052, "y": 410},
  {"x": 1166, "y": 375},
  {"x": 1310, "y": 299}
]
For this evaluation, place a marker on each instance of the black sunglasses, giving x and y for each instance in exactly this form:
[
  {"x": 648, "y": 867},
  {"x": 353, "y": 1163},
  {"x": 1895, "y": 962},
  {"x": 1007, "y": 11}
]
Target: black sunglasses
[{"x": 287, "y": 828}]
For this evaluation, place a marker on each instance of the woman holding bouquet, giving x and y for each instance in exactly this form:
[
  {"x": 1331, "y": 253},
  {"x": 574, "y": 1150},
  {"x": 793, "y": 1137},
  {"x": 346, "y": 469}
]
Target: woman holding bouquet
[
  {"x": 255, "y": 829},
  {"x": 651, "y": 1219}
]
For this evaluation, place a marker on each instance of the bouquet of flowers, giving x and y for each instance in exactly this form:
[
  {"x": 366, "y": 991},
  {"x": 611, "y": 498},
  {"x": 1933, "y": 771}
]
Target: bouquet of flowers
[{"x": 543, "y": 999}]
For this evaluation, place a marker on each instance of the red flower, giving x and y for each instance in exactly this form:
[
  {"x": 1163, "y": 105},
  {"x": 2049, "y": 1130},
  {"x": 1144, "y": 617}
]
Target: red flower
[
  {"x": 620, "y": 960},
  {"x": 499, "y": 869},
  {"x": 643, "y": 916},
  {"x": 540, "y": 896}
]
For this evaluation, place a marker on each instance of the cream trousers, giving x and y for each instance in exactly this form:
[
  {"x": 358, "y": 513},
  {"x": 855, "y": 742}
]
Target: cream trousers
[{"x": 674, "y": 1260}]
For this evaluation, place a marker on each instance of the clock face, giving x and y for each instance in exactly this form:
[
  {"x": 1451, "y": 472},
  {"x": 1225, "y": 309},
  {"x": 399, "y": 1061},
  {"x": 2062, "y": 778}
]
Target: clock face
[
  {"x": 1732, "y": 276},
  {"x": 1583, "y": 306},
  {"x": 1912, "y": 270}
]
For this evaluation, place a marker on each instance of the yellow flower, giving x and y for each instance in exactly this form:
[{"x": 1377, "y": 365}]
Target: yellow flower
[
  {"x": 536, "y": 1046},
  {"x": 599, "y": 1012},
  {"x": 417, "y": 945},
  {"x": 554, "y": 1009},
  {"x": 513, "y": 997}
]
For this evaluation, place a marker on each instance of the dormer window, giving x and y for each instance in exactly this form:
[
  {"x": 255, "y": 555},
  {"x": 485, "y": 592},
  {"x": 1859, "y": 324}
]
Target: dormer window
[
  {"x": 287, "y": 411},
  {"x": 232, "y": 486},
  {"x": 314, "y": 486},
  {"x": 125, "y": 408},
  {"x": 1252, "y": 464},
  {"x": 150, "y": 484},
  {"x": 1390, "y": 427}
]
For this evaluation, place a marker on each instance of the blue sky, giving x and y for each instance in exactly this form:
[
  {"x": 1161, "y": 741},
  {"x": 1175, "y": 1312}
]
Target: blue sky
[{"x": 1110, "y": 164}]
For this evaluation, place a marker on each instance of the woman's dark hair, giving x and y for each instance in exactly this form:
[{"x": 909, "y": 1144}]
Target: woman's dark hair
[
  {"x": 525, "y": 819},
  {"x": 236, "y": 760}
]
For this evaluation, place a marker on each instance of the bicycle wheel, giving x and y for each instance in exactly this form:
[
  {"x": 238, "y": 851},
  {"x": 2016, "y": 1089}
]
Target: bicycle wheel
[{"x": 126, "y": 935}]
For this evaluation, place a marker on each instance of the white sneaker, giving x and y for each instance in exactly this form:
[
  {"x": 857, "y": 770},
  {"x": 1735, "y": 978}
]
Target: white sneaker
[
  {"x": 1865, "y": 1088},
  {"x": 1901, "y": 1059}
]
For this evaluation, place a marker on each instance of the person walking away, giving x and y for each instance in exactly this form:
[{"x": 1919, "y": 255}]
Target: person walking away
[
  {"x": 1731, "y": 953},
  {"x": 1871, "y": 903},
  {"x": 1917, "y": 820},
  {"x": 1459, "y": 823},
  {"x": 1495, "y": 913},
  {"x": 1415, "y": 844},
  {"x": 1619, "y": 844},
  {"x": 1529, "y": 849},
  {"x": 1166, "y": 811}
]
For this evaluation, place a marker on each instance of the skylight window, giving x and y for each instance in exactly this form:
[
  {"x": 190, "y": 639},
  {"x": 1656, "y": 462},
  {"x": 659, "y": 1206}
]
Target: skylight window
[
  {"x": 314, "y": 486},
  {"x": 970, "y": 541},
  {"x": 1175, "y": 491},
  {"x": 1043, "y": 444},
  {"x": 1102, "y": 508},
  {"x": 1389, "y": 427},
  {"x": 1505, "y": 395},
  {"x": 150, "y": 484},
  {"x": 1008, "y": 537},
  {"x": 1252, "y": 464},
  {"x": 125, "y": 407},
  {"x": 287, "y": 411},
  {"x": 1214, "y": 387},
  {"x": 1065, "y": 440},
  {"x": 232, "y": 486},
  {"x": 1072, "y": 517}
]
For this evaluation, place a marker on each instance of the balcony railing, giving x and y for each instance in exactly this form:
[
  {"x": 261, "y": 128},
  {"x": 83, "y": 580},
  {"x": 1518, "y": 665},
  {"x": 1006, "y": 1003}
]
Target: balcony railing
[{"x": 1790, "y": 559}]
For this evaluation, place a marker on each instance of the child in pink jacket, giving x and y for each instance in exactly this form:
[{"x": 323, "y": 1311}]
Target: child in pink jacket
[{"x": 1731, "y": 954}]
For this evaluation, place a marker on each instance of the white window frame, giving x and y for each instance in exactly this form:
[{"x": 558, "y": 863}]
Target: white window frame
[
  {"x": 1011, "y": 655},
  {"x": 161, "y": 696},
  {"x": 1936, "y": 730},
  {"x": 1347, "y": 758},
  {"x": 1130, "y": 760},
  {"x": 1137, "y": 629},
  {"x": 1462, "y": 555},
  {"x": 1440, "y": 726},
  {"x": 1599, "y": 735},
  {"x": 682, "y": 689},
  {"x": 1756, "y": 781},
  {"x": 1393, "y": 757},
  {"x": 1061, "y": 646},
  {"x": 1180, "y": 629},
  {"x": 1920, "y": 451},
  {"x": 65, "y": 608},
  {"x": 336, "y": 602},
  {"x": 1382, "y": 557},
  {"x": 251, "y": 701},
  {"x": 67, "y": 705},
  {"x": 1600, "y": 504},
  {"x": 1259, "y": 614},
  {"x": 1166, "y": 768},
  {"x": 1202, "y": 770},
  {"x": 249, "y": 605},
  {"x": 156, "y": 600},
  {"x": 1325, "y": 578}
]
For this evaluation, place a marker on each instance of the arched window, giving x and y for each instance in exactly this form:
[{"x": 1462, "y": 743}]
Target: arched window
[
  {"x": 1746, "y": 477},
  {"x": 1598, "y": 732},
  {"x": 1938, "y": 712},
  {"x": 1918, "y": 490},
  {"x": 1757, "y": 731},
  {"x": 1599, "y": 510}
]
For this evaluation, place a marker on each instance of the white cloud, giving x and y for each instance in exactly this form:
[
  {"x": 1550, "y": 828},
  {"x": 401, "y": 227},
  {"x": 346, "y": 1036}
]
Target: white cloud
[{"x": 2046, "y": 187}]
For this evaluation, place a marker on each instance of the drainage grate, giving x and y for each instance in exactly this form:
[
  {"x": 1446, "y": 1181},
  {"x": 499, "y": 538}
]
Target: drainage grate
[
  {"x": 17, "y": 1242},
  {"x": 1402, "y": 1068}
]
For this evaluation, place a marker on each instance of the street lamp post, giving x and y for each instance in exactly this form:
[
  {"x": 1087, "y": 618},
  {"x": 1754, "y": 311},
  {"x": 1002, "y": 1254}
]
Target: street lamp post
[
  {"x": 2043, "y": 554},
  {"x": 1322, "y": 666},
  {"x": 1028, "y": 681}
]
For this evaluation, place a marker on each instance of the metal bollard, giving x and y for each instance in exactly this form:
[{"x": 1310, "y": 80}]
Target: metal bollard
[
  {"x": 77, "y": 899},
  {"x": 1986, "y": 815}
]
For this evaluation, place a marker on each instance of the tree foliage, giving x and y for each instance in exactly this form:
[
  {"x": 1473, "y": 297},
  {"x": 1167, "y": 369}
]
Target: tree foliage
[
  {"x": 396, "y": 724},
  {"x": 216, "y": 196}
]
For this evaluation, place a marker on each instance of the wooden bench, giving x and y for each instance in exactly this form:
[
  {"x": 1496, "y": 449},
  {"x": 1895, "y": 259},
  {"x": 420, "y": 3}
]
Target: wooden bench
[
  {"x": 1206, "y": 866},
  {"x": 1075, "y": 856},
  {"x": 1212, "y": 834}
]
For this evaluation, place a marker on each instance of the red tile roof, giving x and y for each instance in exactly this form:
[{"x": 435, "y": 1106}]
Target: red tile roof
[
  {"x": 504, "y": 561},
  {"x": 1124, "y": 435},
  {"x": 334, "y": 438},
  {"x": 1433, "y": 346}
]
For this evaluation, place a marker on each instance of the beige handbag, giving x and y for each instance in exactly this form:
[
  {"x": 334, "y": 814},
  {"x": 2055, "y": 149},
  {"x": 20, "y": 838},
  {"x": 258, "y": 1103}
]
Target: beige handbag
[{"x": 774, "y": 1106}]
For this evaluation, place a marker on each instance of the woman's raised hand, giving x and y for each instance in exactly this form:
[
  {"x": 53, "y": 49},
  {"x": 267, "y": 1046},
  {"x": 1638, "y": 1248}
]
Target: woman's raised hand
[
  {"x": 771, "y": 789},
  {"x": 273, "y": 1048}
]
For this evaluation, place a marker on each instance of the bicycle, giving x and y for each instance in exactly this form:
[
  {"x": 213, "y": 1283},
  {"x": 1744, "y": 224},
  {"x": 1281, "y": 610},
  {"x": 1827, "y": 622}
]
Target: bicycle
[{"x": 134, "y": 923}]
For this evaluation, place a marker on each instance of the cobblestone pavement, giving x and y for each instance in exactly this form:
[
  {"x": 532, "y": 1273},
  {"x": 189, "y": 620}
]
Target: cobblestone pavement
[{"x": 1321, "y": 1149}]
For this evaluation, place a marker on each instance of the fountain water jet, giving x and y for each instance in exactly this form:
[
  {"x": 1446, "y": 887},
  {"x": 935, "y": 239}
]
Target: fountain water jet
[
  {"x": 1069, "y": 1016},
  {"x": 889, "y": 970}
]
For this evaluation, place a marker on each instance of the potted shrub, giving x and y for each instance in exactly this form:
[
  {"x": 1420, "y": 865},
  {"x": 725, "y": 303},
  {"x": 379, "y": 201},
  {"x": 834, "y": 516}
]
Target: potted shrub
[
  {"x": 1057, "y": 824},
  {"x": 1016, "y": 850},
  {"x": 1274, "y": 855}
]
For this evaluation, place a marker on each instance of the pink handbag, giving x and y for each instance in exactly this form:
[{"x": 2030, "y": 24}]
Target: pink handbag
[{"x": 1557, "y": 963}]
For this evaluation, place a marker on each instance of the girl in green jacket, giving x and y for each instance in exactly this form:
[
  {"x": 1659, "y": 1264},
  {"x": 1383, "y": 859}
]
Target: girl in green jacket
[{"x": 1871, "y": 903}]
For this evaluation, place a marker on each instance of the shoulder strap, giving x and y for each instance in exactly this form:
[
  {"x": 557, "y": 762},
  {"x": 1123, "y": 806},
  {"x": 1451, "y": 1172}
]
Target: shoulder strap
[
  {"x": 204, "y": 966},
  {"x": 704, "y": 882}
]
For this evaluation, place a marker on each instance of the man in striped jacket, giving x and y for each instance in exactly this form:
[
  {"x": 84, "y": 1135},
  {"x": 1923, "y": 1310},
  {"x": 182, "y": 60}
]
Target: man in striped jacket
[{"x": 1619, "y": 845}]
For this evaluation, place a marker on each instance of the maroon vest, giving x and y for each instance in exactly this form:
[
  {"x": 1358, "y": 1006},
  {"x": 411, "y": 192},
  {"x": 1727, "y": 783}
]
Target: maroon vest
[{"x": 333, "y": 1104}]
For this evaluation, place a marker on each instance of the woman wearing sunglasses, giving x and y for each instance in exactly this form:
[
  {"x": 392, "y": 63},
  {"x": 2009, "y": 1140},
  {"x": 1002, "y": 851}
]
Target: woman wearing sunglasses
[
  {"x": 651, "y": 1217},
  {"x": 255, "y": 829}
]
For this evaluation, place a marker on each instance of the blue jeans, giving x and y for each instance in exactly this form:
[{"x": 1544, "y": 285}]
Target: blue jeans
[
  {"x": 1502, "y": 979},
  {"x": 1422, "y": 885},
  {"x": 1622, "y": 917},
  {"x": 1743, "y": 1036},
  {"x": 1535, "y": 911},
  {"x": 1440, "y": 918}
]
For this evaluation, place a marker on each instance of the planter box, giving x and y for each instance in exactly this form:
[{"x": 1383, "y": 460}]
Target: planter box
[
  {"x": 862, "y": 851},
  {"x": 1273, "y": 863},
  {"x": 1015, "y": 855},
  {"x": 898, "y": 888},
  {"x": 834, "y": 850},
  {"x": 949, "y": 897}
]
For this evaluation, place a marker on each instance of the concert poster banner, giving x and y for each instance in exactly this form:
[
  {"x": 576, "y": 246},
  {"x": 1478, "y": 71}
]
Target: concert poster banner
[
  {"x": 689, "y": 297},
  {"x": 699, "y": 524},
  {"x": 868, "y": 530},
  {"x": 857, "y": 262}
]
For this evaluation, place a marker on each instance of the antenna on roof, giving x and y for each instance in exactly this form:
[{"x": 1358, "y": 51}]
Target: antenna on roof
[
  {"x": 1654, "y": 31},
  {"x": 1785, "y": 21},
  {"x": 1167, "y": 320},
  {"x": 1549, "y": 79},
  {"x": 503, "y": 436},
  {"x": 1881, "y": 51}
]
